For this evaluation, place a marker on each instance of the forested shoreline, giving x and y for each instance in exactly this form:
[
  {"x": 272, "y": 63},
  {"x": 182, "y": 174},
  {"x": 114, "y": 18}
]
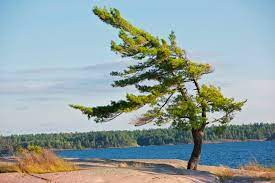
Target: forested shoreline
[{"x": 105, "y": 139}]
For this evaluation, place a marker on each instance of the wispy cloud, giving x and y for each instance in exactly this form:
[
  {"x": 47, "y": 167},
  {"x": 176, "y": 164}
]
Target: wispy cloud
[
  {"x": 59, "y": 80},
  {"x": 21, "y": 108},
  {"x": 30, "y": 94}
]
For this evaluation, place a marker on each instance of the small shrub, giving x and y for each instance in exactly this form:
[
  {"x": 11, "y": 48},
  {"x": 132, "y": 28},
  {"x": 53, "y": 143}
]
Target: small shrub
[{"x": 37, "y": 160}]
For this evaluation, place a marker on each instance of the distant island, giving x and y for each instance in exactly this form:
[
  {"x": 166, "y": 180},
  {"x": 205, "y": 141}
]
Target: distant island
[{"x": 106, "y": 139}]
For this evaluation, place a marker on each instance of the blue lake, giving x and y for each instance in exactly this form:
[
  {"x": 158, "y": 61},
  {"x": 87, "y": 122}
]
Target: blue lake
[{"x": 232, "y": 154}]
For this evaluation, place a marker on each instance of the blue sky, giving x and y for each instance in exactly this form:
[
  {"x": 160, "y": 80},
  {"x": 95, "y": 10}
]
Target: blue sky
[{"x": 53, "y": 53}]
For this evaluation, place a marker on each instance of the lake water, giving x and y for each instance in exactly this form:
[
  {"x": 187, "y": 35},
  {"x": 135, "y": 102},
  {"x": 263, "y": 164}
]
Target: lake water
[{"x": 232, "y": 154}]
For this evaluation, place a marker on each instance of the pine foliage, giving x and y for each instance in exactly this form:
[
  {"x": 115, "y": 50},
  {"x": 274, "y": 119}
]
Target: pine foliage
[{"x": 165, "y": 78}]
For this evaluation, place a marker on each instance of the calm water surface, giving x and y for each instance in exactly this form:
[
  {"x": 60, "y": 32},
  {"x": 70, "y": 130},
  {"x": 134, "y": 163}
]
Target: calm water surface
[{"x": 232, "y": 154}]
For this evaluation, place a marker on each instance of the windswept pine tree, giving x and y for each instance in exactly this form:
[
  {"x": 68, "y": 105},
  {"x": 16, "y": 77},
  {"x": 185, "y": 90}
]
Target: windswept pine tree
[{"x": 168, "y": 83}]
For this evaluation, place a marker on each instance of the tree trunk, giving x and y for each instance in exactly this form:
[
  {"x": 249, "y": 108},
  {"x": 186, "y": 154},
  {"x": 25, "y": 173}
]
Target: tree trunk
[{"x": 195, "y": 156}]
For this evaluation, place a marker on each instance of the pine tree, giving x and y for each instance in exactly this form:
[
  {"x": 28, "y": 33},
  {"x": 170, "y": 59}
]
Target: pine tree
[{"x": 168, "y": 83}]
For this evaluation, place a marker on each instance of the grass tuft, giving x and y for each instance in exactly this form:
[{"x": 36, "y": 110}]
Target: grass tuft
[
  {"x": 224, "y": 173},
  {"x": 8, "y": 168},
  {"x": 41, "y": 161},
  {"x": 35, "y": 159},
  {"x": 254, "y": 166},
  {"x": 250, "y": 172}
]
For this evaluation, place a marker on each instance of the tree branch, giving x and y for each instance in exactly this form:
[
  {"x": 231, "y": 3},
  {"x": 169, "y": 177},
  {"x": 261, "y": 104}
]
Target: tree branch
[
  {"x": 167, "y": 100},
  {"x": 110, "y": 119},
  {"x": 144, "y": 120}
]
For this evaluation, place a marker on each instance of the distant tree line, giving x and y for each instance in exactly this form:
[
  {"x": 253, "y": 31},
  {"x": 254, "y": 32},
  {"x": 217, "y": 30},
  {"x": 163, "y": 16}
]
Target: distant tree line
[
  {"x": 272, "y": 137},
  {"x": 103, "y": 139}
]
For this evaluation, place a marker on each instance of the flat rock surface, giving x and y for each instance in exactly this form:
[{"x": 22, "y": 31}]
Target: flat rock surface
[
  {"x": 135, "y": 171},
  {"x": 114, "y": 171},
  {"x": 106, "y": 175}
]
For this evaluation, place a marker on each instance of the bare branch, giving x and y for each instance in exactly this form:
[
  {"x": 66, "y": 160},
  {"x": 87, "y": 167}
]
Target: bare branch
[
  {"x": 145, "y": 120},
  {"x": 167, "y": 100},
  {"x": 110, "y": 119}
]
